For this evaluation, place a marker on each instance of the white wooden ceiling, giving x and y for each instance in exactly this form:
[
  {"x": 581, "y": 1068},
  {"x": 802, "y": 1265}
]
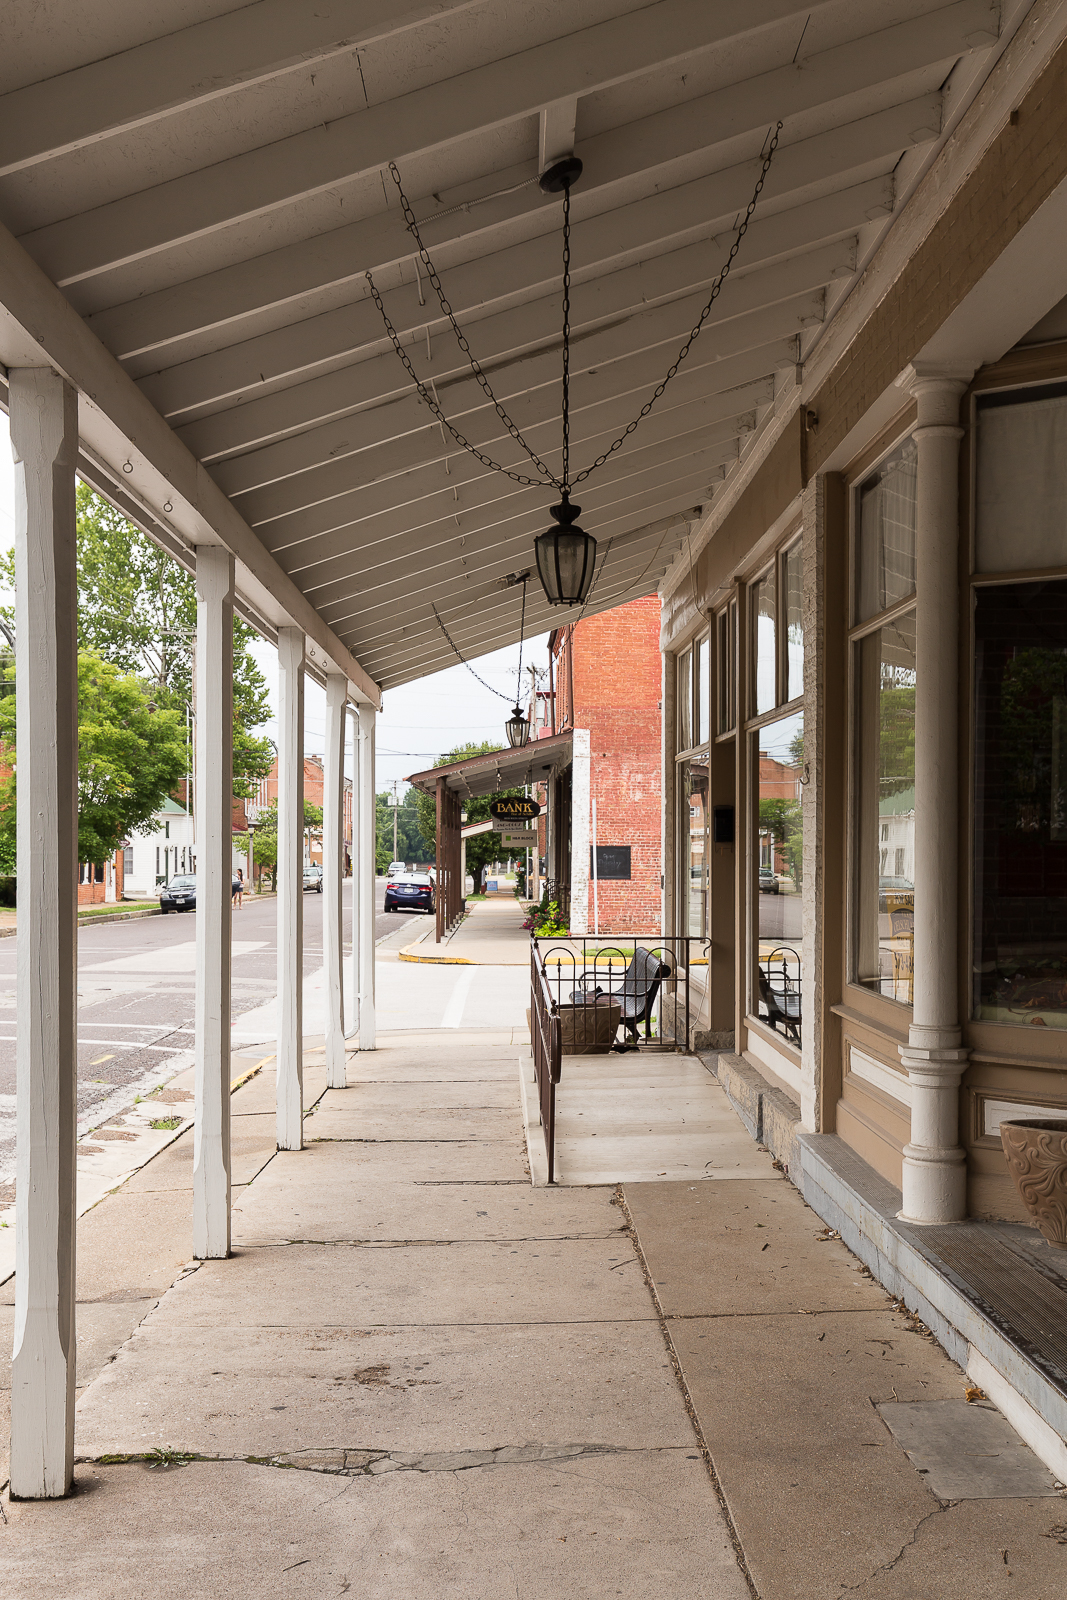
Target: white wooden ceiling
[{"x": 208, "y": 185}]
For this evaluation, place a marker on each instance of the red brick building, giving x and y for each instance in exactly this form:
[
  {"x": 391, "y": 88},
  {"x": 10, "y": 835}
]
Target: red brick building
[
  {"x": 605, "y": 677},
  {"x": 267, "y": 793}
]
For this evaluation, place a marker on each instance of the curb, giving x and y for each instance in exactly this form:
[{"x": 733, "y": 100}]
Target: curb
[
  {"x": 137, "y": 915},
  {"x": 432, "y": 961}
]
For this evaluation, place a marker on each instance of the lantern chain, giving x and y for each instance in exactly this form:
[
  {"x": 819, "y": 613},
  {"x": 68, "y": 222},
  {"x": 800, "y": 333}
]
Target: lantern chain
[
  {"x": 462, "y": 657},
  {"x": 522, "y": 635},
  {"x": 564, "y": 484}
]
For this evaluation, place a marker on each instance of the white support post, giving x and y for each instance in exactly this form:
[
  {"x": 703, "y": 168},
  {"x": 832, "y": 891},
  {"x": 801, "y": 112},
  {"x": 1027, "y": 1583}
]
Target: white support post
[
  {"x": 333, "y": 866},
  {"x": 580, "y": 843},
  {"x": 290, "y": 889},
  {"x": 934, "y": 1179},
  {"x": 365, "y": 886},
  {"x": 213, "y": 808},
  {"x": 351, "y": 1008},
  {"x": 44, "y": 442}
]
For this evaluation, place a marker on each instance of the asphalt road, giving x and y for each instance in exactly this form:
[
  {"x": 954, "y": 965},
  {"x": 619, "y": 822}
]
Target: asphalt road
[{"x": 136, "y": 986}]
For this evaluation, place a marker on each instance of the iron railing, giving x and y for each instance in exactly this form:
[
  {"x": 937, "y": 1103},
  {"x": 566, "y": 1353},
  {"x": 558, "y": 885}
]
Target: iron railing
[
  {"x": 545, "y": 1033},
  {"x": 585, "y": 992}
]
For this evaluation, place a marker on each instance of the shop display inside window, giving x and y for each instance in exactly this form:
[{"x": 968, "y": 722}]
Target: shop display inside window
[
  {"x": 885, "y": 534},
  {"x": 1020, "y": 832},
  {"x": 694, "y": 789},
  {"x": 884, "y": 910},
  {"x": 778, "y": 863}
]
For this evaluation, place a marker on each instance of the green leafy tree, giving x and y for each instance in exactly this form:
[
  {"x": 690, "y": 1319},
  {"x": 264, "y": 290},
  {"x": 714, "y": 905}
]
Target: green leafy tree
[
  {"x": 265, "y": 837},
  {"x": 137, "y": 609},
  {"x": 483, "y": 848},
  {"x": 410, "y": 844},
  {"x": 131, "y": 755}
]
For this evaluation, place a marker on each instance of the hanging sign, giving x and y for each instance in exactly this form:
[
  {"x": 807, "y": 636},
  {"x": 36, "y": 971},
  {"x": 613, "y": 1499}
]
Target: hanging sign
[
  {"x": 515, "y": 809},
  {"x": 516, "y": 838}
]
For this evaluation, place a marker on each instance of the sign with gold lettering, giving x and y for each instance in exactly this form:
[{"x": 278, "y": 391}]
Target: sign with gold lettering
[{"x": 515, "y": 808}]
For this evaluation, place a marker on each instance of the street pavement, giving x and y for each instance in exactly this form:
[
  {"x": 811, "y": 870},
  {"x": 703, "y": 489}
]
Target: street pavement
[{"x": 136, "y": 989}]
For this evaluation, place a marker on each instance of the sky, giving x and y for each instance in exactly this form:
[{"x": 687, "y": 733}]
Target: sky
[{"x": 419, "y": 722}]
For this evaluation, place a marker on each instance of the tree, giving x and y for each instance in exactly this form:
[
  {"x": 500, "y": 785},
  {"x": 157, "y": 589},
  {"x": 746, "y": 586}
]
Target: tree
[
  {"x": 137, "y": 609},
  {"x": 131, "y": 755},
  {"x": 483, "y": 848},
  {"x": 265, "y": 837},
  {"x": 410, "y": 844}
]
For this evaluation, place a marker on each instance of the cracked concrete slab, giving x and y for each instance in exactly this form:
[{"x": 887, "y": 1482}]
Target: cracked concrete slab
[
  {"x": 551, "y": 1281},
  {"x": 966, "y": 1451},
  {"x": 748, "y": 1246},
  {"x": 258, "y": 1391},
  {"x": 631, "y": 1525},
  {"x": 974, "y": 1551},
  {"x": 819, "y": 1490},
  {"x": 338, "y": 1117},
  {"x": 427, "y": 1161},
  {"x": 102, "y": 1328},
  {"x": 253, "y": 1141},
  {"x": 260, "y": 1094},
  {"x": 311, "y": 1195}
]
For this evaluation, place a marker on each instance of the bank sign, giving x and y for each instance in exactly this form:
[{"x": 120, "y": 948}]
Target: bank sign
[{"x": 517, "y": 808}]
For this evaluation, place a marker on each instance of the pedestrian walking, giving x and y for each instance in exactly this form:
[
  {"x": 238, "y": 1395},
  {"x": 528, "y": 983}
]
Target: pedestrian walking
[{"x": 238, "y": 888}]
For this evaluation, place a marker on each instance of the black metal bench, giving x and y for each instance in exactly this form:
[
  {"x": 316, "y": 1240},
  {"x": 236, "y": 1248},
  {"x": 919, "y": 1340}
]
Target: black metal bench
[
  {"x": 782, "y": 1003},
  {"x": 636, "y": 992}
]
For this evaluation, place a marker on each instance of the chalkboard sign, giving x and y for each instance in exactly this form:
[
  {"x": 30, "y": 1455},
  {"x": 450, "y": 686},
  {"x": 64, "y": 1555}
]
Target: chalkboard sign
[{"x": 612, "y": 861}]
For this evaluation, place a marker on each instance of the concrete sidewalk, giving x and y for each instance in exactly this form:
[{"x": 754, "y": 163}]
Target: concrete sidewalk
[
  {"x": 419, "y": 1375},
  {"x": 490, "y": 935}
]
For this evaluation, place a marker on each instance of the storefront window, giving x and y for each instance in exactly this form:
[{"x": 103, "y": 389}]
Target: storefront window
[
  {"x": 1021, "y": 462},
  {"x": 703, "y": 690},
  {"x": 884, "y": 911},
  {"x": 885, "y": 534},
  {"x": 727, "y": 626},
  {"x": 792, "y": 605},
  {"x": 694, "y": 790},
  {"x": 1020, "y": 863},
  {"x": 779, "y": 858},
  {"x": 763, "y": 620},
  {"x": 685, "y": 701}
]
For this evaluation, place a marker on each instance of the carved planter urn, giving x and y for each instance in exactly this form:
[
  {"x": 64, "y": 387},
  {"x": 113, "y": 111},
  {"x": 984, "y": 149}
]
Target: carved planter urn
[{"x": 1037, "y": 1161}]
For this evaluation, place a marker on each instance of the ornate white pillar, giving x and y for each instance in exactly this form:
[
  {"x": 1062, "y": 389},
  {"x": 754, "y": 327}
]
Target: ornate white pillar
[
  {"x": 365, "y": 885},
  {"x": 934, "y": 1175},
  {"x": 213, "y": 810},
  {"x": 44, "y": 442},
  {"x": 333, "y": 866},
  {"x": 290, "y": 889}
]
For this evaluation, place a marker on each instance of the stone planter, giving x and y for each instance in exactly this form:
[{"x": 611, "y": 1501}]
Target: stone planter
[
  {"x": 1037, "y": 1160},
  {"x": 589, "y": 1030}
]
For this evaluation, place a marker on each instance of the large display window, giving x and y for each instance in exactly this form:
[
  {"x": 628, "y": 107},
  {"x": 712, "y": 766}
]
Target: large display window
[{"x": 778, "y": 862}]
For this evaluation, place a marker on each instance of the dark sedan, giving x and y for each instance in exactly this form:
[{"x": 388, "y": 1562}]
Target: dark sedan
[
  {"x": 179, "y": 894},
  {"x": 410, "y": 891}
]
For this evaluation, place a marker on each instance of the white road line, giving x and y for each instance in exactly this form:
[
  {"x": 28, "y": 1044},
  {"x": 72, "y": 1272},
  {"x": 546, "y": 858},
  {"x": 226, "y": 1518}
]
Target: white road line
[{"x": 454, "y": 1010}]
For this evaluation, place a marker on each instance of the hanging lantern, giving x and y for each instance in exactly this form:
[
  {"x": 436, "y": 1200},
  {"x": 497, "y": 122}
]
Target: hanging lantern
[
  {"x": 566, "y": 558},
  {"x": 517, "y": 728}
]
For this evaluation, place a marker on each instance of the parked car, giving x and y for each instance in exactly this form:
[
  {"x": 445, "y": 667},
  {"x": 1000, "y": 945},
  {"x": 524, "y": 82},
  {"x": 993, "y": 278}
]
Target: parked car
[
  {"x": 313, "y": 878},
  {"x": 396, "y": 867},
  {"x": 768, "y": 881},
  {"x": 410, "y": 891},
  {"x": 179, "y": 894}
]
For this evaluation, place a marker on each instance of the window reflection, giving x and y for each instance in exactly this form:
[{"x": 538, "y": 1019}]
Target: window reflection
[
  {"x": 703, "y": 690},
  {"x": 885, "y": 543},
  {"x": 685, "y": 701},
  {"x": 885, "y": 834},
  {"x": 792, "y": 599},
  {"x": 695, "y": 808},
  {"x": 1021, "y": 804},
  {"x": 764, "y": 623},
  {"x": 779, "y": 874}
]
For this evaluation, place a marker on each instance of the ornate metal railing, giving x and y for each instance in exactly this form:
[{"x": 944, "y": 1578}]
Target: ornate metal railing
[{"x": 545, "y": 1032}]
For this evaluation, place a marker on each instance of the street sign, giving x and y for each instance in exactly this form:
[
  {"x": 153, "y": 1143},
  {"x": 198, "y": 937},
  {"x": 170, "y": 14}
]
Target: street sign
[
  {"x": 516, "y": 809},
  {"x": 516, "y": 838}
]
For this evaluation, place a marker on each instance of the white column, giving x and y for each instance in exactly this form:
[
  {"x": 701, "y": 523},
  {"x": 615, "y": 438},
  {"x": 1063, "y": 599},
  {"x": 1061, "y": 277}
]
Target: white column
[
  {"x": 44, "y": 443},
  {"x": 213, "y": 807},
  {"x": 333, "y": 866},
  {"x": 934, "y": 1176},
  {"x": 580, "y": 832},
  {"x": 290, "y": 889},
  {"x": 351, "y": 1008},
  {"x": 365, "y": 880}
]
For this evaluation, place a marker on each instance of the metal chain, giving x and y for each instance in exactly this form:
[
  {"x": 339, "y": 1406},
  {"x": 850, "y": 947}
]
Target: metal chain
[
  {"x": 522, "y": 635},
  {"x": 461, "y": 338},
  {"x": 724, "y": 273},
  {"x": 459, "y": 653},
  {"x": 425, "y": 395},
  {"x": 565, "y": 484}
]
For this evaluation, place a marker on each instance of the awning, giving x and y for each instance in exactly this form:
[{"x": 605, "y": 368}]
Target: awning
[{"x": 501, "y": 769}]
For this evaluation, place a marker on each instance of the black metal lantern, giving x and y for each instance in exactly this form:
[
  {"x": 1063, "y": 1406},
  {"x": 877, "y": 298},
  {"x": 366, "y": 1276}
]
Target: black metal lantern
[
  {"x": 517, "y": 728},
  {"x": 566, "y": 558}
]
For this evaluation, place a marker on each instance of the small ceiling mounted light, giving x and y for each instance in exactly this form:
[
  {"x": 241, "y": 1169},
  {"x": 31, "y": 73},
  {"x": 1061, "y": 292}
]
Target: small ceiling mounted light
[
  {"x": 560, "y": 175},
  {"x": 566, "y": 557},
  {"x": 517, "y": 728}
]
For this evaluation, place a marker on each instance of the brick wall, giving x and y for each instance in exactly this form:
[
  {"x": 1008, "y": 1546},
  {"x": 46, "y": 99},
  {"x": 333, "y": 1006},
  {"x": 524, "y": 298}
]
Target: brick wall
[{"x": 616, "y": 672}]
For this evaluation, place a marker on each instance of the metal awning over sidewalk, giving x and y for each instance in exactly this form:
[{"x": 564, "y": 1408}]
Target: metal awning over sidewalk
[{"x": 503, "y": 769}]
